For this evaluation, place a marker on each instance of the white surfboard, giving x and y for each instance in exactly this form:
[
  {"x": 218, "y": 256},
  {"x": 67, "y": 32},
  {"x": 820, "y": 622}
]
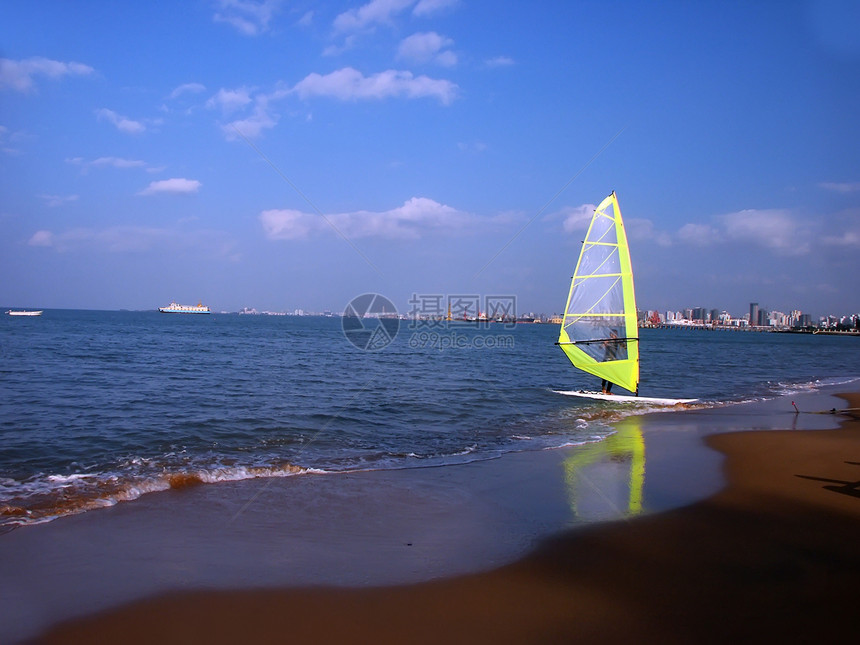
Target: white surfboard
[{"x": 623, "y": 398}]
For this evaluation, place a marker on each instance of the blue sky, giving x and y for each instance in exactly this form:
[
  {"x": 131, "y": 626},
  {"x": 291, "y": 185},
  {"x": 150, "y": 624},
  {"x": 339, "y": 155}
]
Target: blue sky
[{"x": 295, "y": 154}]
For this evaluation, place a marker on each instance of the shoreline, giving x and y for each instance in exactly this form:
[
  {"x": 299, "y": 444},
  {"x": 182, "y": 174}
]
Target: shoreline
[{"x": 771, "y": 555}]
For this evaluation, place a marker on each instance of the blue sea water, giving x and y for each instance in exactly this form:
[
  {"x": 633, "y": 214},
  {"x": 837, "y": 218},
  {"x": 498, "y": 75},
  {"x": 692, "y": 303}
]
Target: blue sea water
[{"x": 98, "y": 407}]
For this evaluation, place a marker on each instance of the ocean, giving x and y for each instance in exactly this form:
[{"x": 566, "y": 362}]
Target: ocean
[{"x": 101, "y": 407}]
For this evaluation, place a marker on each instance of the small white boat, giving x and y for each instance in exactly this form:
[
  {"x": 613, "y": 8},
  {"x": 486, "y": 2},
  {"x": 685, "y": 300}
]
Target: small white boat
[{"x": 24, "y": 313}]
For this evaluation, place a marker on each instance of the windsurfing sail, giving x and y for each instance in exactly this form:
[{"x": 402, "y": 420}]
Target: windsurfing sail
[{"x": 599, "y": 332}]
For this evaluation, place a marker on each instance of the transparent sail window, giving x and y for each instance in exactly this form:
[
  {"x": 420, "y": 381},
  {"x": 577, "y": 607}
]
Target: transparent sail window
[
  {"x": 600, "y": 295},
  {"x": 602, "y": 338}
]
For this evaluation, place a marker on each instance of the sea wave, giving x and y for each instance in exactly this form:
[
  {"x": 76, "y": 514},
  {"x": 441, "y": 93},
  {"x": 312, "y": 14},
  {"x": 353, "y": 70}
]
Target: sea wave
[
  {"x": 45, "y": 498},
  {"x": 788, "y": 388}
]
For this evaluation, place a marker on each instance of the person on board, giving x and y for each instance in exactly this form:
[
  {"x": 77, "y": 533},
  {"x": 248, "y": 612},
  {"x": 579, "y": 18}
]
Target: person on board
[{"x": 610, "y": 349}]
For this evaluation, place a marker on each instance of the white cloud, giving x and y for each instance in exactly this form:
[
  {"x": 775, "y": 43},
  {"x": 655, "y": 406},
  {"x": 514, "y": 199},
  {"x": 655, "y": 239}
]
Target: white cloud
[
  {"x": 250, "y": 111},
  {"x": 698, "y": 234},
  {"x": 287, "y": 224},
  {"x": 258, "y": 114},
  {"x": 446, "y": 58},
  {"x": 413, "y": 219},
  {"x": 846, "y": 239},
  {"x": 843, "y": 187},
  {"x": 175, "y": 185},
  {"x": 118, "y": 162},
  {"x": 122, "y": 123},
  {"x": 187, "y": 88},
  {"x": 350, "y": 84},
  {"x": 843, "y": 230},
  {"x": 230, "y": 100},
  {"x": 372, "y": 13},
  {"x": 134, "y": 239},
  {"x": 644, "y": 229},
  {"x": 774, "y": 229},
  {"x": 18, "y": 74},
  {"x": 58, "y": 200},
  {"x": 113, "y": 162},
  {"x": 365, "y": 18},
  {"x": 248, "y": 17},
  {"x": 306, "y": 20},
  {"x": 7, "y": 137},
  {"x": 576, "y": 218},
  {"x": 784, "y": 232},
  {"x": 378, "y": 12},
  {"x": 335, "y": 50},
  {"x": 41, "y": 238},
  {"x": 427, "y": 47},
  {"x": 429, "y": 7},
  {"x": 777, "y": 230},
  {"x": 252, "y": 126},
  {"x": 499, "y": 61}
]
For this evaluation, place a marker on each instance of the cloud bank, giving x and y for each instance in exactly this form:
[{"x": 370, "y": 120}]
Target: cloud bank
[
  {"x": 134, "y": 239},
  {"x": 779, "y": 231},
  {"x": 415, "y": 218},
  {"x": 840, "y": 187},
  {"x": 348, "y": 84}
]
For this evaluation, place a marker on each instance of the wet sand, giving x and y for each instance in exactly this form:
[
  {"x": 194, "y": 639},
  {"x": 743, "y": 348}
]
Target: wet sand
[{"x": 775, "y": 555}]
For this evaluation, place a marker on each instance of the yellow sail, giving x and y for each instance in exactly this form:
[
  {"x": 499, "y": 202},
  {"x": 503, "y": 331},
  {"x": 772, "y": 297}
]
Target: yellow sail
[{"x": 599, "y": 331}]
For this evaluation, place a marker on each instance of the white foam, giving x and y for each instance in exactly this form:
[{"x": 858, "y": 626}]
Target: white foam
[
  {"x": 466, "y": 451},
  {"x": 68, "y": 479},
  {"x": 34, "y": 497}
]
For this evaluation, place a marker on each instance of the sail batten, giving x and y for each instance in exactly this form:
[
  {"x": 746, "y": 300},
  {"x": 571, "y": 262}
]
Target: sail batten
[{"x": 599, "y": 331}]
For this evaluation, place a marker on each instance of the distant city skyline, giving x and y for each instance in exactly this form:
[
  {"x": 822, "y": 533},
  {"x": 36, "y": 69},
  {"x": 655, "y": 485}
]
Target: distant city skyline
[
  {"x": 709, "y": 311},
  {"x": 284, "y": 155}
]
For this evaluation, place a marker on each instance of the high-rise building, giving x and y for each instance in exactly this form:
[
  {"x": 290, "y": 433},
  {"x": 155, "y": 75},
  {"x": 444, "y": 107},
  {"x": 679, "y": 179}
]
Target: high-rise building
[{"x": 753, "y": 313}]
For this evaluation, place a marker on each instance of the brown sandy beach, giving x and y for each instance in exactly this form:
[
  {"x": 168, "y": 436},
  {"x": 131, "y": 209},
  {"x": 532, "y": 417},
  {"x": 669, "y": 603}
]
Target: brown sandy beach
[{"x": 773, "y": 556}]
